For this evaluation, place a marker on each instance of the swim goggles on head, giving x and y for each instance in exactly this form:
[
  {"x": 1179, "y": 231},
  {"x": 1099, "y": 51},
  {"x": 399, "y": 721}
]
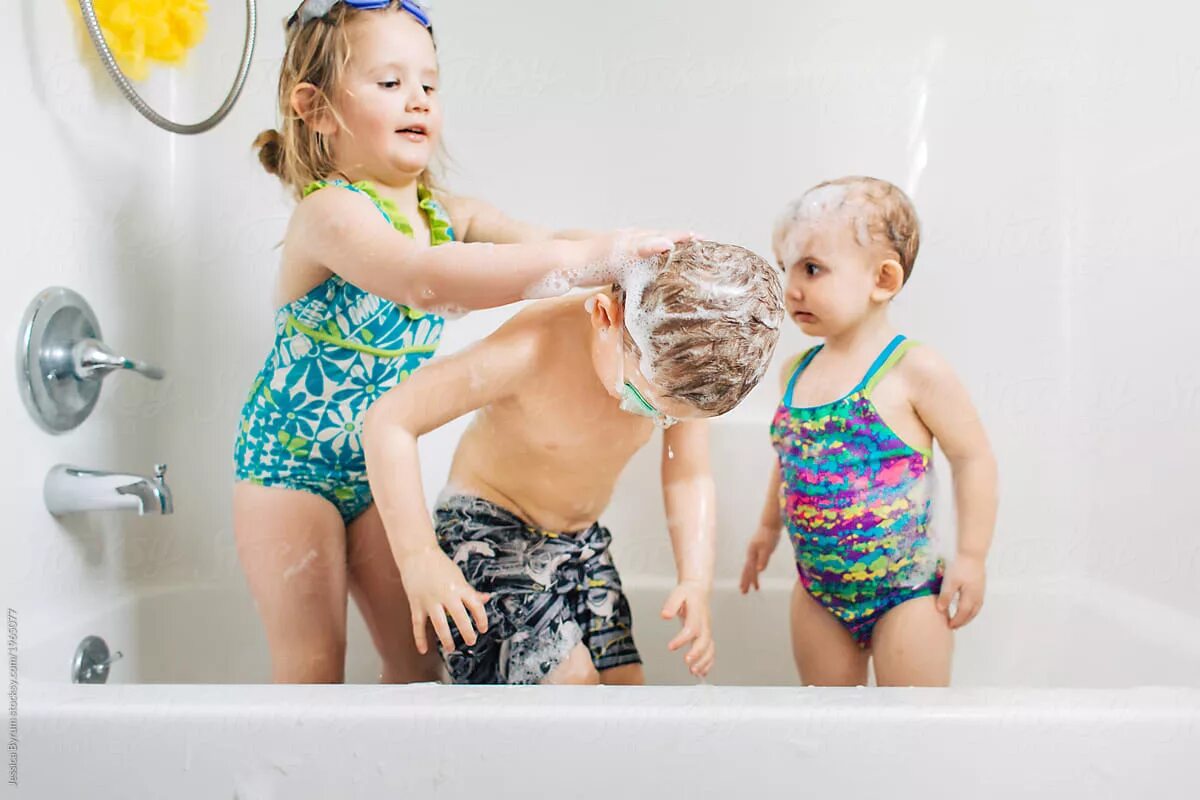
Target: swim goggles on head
[{"x": 315, "y": 9}]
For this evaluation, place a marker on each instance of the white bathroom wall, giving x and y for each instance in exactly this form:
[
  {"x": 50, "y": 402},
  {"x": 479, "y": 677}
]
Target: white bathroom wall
[
  {"x": 1039, "y": 141},
  {"x": 1049, "y": 149},
  {"x": 686, "y": 114},
  {"x": 1130, "y": 217},
  {"x": 94, "y": 204},
  {"x": 715, "y": 122},
  {"x": 679, "y": 113}
]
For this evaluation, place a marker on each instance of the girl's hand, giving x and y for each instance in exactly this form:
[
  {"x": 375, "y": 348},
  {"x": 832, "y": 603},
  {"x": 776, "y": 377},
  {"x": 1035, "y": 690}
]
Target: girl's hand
[
  {"x": 758, "y": 555},
  {"x": 601, "y": 260},
  {"x": 436, "y": 589},
  {"x": 690, "y": 600},
  {"x": 609, "y": 255},
  {"x": 966, "y": 578},
  {"x": 626, "y": 244}
]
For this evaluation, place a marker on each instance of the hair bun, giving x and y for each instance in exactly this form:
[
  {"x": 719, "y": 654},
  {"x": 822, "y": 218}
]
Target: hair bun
[{"x": 270, "y": 150}]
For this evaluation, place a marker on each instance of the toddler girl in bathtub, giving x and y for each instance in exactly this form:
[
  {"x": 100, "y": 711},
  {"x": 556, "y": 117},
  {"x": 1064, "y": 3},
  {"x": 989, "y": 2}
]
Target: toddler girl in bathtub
[
  {"x": 854, "y": 434},
  {"x": 371, "y": 252}
]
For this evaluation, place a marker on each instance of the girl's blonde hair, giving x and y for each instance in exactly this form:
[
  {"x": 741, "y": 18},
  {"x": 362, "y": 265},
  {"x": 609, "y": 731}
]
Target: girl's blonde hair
[{"x": 317, "y": 52}]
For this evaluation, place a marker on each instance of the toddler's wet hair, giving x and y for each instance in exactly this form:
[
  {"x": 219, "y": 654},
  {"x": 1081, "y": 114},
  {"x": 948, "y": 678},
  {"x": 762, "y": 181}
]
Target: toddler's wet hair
[
  {"x": 880, "y": 212},
  {"x": 709, "y": 318}
]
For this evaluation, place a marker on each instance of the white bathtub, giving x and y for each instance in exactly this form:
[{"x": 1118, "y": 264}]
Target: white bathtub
[
  {"x": 361, "y": 741},
  {"x": 1068, "y": 635},
  {"x": 1054, "y": 697},
  {"x": 268, "y": 742},
  {"x": 1061, "y": 631}
]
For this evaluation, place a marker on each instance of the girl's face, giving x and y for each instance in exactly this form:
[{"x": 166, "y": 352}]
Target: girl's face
[
  {"x": 831, "y": 281},
  {"x": 392, "y": 118}
]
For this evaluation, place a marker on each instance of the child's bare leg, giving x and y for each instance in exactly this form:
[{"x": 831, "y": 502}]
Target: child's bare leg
[
  {"x": 376, "y": 587},
  {"x": 912, "y": 645},
  {"x": 577, "y": 668},
  {"x": 292, "y": 546},
  {"x": 624, "y": 675},
  {"x": 826, "y": 654}
]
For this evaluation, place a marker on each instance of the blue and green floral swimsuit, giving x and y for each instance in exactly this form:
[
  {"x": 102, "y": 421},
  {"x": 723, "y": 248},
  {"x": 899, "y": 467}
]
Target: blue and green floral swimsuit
[{"x": 336, "y": 350}]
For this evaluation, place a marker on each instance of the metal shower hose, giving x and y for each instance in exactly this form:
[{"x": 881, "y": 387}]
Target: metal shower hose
[{"x": 114, "y": 71}]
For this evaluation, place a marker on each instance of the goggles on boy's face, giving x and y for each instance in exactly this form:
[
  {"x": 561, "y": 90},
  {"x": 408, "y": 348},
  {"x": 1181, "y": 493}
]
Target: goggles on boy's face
[
  {"x": 315, "y": 9},
  {"x": 632, "y": 400},
  {"x": 635, "y": 402}
]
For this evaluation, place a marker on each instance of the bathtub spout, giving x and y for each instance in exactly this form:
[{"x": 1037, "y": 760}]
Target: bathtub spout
[{"x": 70, "y": 489}]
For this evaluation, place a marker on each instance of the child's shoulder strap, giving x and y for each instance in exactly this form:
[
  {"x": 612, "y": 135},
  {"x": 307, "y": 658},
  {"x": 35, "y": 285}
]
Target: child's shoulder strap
[
  {"x": 889, "y": 358},
  {"x": 385, "y": 206},
  {"x": 798, "y": 365},
  {"x": 441, "y": 230}
]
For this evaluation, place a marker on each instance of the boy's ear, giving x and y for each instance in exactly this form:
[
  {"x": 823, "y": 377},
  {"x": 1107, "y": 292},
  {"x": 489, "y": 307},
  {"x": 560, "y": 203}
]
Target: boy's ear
[
  {"x": 889, "y": 279},
  {"x": 605, "y": 311},
  {"x": 311, "y": 105}
]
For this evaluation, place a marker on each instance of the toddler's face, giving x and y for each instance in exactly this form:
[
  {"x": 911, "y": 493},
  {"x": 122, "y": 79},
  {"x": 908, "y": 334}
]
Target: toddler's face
[
  {"x": 388, "y": 99},
  {"x": 828, "y": 275}
]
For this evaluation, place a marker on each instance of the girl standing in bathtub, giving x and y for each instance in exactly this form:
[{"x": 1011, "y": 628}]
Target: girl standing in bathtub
[
  {"x": 854, "y": 436},
  {"x": 371, "y": 253}
]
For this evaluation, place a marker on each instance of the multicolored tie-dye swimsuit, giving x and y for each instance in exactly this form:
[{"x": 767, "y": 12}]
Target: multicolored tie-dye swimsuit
[{"x": 856, "y": 500}]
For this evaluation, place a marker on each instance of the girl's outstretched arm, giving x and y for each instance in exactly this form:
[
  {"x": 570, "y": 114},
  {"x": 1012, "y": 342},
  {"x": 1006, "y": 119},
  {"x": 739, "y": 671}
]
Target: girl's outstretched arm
[{"x": 343, "y": 232}]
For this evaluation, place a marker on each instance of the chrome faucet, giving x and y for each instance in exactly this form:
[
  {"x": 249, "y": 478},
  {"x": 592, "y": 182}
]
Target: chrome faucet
[
  {"x": 69, "y": 489},
  {"x": 94, "y": 359}
]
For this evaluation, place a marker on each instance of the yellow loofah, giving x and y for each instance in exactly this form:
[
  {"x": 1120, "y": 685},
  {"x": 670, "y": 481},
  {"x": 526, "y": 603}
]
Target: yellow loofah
[{"x": 141, "y": 31}]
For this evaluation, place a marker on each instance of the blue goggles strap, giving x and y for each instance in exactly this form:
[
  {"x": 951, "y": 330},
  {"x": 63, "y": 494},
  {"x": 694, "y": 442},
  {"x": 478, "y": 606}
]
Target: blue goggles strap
[
  {"x": 315, "y": 9},
  {"x": 418, "y": 12}
]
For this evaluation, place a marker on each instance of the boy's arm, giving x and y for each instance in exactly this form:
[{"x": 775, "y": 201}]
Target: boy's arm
[
  {"x": 440, "y": 391},
  {"x": 477, "y": 221},
  {"x": 946, "y": 409},
  {"x": 689, "y": 495}
]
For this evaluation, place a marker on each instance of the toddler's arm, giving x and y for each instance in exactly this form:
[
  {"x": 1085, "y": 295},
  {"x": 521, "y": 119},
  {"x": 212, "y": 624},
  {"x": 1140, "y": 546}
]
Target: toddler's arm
[
  {"x": 442, "y": 390},
  {"x": 766, "y": 538},
  {"x": 689, "y": 496},
  {"x": 946, "y": 409},
  {"x": 342, "y": 232}
]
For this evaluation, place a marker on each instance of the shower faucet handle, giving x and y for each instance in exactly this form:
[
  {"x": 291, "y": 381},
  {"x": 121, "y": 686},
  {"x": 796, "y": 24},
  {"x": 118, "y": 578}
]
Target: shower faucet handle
[{"x": 94, "y": 359}]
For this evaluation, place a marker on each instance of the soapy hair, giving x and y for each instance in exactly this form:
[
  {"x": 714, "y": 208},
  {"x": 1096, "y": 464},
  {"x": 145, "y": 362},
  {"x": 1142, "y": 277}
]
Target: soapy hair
[
  {"x": 704, "y": 321},
  {"x": 880, "y": 212}
]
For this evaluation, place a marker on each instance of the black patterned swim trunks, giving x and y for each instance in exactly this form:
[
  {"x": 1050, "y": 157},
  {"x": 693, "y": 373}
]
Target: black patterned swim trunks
[{"x": 549, "y": 592}]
